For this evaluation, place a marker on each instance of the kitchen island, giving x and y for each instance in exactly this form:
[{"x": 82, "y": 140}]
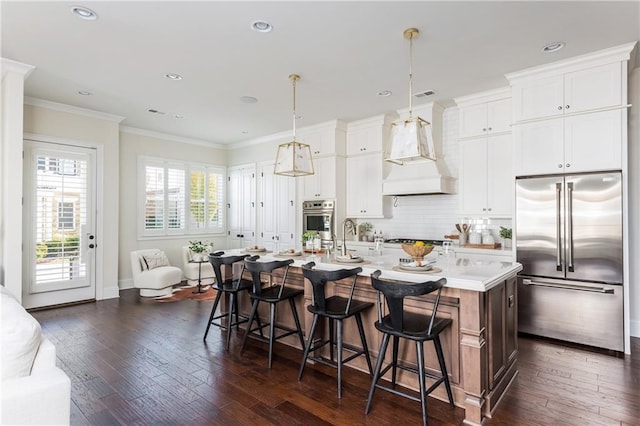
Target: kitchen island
[{"x": 480, "y": 298}]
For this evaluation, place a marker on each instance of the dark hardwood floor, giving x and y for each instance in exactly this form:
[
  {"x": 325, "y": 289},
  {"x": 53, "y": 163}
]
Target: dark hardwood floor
[{"x": 138, "y": 362}]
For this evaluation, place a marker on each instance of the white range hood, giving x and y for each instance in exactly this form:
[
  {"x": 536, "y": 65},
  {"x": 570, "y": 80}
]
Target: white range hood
[{"x": 423, "y": 176}]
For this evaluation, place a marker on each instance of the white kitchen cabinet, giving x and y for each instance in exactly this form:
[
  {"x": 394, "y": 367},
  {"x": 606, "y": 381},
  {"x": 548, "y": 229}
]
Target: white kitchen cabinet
[
  {"x": 583, "y": 90},
  {"x": 325, "y": 139},
  {"x": 487, "y": 118},
  {"x": 578, "y": 143},
  {"x": 368, "y": 136},
  {"x": 364, "y": 187},
  {"x": 486, "y": 176},
  {"x": 329, "y": 173},
  {"x": 241, "y": 207},
  {"x": 276, "y": 210}
]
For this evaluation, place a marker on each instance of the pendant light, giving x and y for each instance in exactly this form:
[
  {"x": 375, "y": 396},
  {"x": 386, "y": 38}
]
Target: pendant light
[
  {"x": 294, "y": 158},
  {"x": 411, "y": 139}
]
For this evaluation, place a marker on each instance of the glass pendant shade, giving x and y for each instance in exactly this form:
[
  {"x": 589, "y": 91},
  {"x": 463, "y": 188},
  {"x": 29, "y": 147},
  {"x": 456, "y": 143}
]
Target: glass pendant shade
[
  {"x": 294, "y": 159},
  {"x": 411, "y": 140}
]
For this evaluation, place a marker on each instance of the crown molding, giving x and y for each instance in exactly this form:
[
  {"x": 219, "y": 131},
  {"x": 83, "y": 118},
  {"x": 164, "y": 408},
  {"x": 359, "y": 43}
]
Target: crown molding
[
  {"x": 486, "y": 96},
  {"x": 72, "y": 109},
  {"x": 11, "y": 65},
  {"x": 170, "y": 137},
  {"x": 287, "y": 135}
]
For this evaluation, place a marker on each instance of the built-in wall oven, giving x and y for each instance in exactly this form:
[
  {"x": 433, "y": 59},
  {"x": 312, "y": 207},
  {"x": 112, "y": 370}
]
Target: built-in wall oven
[{"x": 319, "y": 216}]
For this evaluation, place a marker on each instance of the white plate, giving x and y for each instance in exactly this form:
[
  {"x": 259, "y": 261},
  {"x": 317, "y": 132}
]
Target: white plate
[
  {"x": 347, "y": 259},
  {"x": 414, "y": 267},
  {"x": 255, "y": 250},
  {"x": 289, "y": 253}
]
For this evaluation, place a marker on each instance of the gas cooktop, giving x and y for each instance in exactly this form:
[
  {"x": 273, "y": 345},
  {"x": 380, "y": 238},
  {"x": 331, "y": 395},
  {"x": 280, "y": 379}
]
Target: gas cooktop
[{"x": 413, "y": 240}]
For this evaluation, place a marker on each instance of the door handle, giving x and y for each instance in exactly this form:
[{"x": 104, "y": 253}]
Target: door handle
[
  {"x": 558, "y": 228},
  {"x": 570, "y": 226},
  {"x": 575, "y": 287}
]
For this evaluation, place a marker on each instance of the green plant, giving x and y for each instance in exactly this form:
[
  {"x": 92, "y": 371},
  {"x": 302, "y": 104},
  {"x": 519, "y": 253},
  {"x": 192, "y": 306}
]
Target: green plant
[
  {"x": 199, "y": 247},
  {"x": 505, "y": 233},
  {"x": 308, "y": 235},
  {"x": 41, "y": 250}
]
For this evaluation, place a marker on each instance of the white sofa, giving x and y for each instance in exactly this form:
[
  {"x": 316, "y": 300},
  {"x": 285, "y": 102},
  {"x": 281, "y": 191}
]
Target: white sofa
[
  {"x": 34, "y": 391},
  {"x": 190, "y": 270},
  {"x": 151, "y": 279}
]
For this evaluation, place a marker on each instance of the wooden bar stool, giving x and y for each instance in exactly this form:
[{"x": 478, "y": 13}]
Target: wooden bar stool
[
  {"x": 411, "y": 326},
  {"x": 229, "y": 287},
  {"x": 335, "y": 309},
  {"x": 272, "y": 295}
]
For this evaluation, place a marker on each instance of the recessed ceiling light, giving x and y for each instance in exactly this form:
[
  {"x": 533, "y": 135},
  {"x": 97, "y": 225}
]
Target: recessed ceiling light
[
  {"x": 248, "y": 99},
  {"x": 261, "y": 26},
  {"x": 385, "y": 93},
  {"x": 173, "y": 76},
  {"x": 84, "y": 13},
  {"x": 84, "y": 93},
  {"x": 553, "y": 47},
  {"x": 178, "y": 116}
]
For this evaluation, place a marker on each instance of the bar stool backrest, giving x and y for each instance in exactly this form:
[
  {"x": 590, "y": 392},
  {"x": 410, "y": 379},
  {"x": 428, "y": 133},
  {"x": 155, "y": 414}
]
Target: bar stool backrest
[
  {"x": 217, "y": 260},
  {"x": 256, "y": 268},
  {"x": 319, "y": 279},
  {"x": 395, "y": 292}
]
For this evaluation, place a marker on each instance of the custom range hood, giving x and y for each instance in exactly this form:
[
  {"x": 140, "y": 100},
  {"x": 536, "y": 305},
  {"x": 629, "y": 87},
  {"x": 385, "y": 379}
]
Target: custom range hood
[{"x": 420, "y": 177}]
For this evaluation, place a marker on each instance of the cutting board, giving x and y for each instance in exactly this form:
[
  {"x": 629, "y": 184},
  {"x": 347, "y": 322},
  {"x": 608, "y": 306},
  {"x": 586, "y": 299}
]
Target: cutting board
[{"x": 484, "y": 246}]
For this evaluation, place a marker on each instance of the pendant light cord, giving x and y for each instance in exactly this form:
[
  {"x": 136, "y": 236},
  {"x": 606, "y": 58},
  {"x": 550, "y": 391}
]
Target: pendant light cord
[
  {"x": 410, "y": 75},
  {"x": 294, "y": 78}
]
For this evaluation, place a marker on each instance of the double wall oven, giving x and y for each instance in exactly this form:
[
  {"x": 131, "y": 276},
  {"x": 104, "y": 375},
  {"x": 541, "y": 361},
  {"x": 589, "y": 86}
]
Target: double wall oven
[{"x": 319, "y": 216}]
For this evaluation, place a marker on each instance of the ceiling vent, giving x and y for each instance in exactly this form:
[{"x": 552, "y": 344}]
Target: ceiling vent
[{"x": 424, "y": 94}]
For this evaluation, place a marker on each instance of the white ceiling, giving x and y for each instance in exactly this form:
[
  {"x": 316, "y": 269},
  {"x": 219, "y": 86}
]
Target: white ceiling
[{"x": 345, "y": 53}]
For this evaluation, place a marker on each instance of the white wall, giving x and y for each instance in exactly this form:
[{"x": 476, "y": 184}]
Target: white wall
[
  {"x": 69, "y": 126},
  {"x": 162, "y": 146}
]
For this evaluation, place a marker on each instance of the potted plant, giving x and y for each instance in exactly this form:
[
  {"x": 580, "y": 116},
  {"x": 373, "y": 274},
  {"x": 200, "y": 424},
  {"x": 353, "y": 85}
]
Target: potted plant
[
  {"x": 505, "y": 234},
  {"x": 199, "y": 249},
  {"x": 307, "y": 239}
]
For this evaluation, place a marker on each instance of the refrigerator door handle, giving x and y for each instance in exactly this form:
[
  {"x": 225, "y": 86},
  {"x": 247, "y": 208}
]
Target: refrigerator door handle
[
  {"x": 570, "y": 226},
  {"x": 606, "y": 290},
  {"x": 558, "y": 228}
]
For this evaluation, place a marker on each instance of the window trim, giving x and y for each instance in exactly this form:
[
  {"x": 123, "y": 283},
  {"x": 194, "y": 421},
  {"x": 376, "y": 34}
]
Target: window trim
[{"x": 187, "y": 167}]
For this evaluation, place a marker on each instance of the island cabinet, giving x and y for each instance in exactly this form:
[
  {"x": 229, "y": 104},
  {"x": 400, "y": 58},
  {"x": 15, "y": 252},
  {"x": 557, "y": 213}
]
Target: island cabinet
[
  {"x": 570, "y": 116},
  {"x": 486, "y": 154},
  {"x": 480, "y": 347}
]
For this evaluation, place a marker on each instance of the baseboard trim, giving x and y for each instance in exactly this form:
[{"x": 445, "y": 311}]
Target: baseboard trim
[
  {"x": 635, "y": 328},
  {"x": 110, "y": 292},
  {"x": 125, "y": 284}
]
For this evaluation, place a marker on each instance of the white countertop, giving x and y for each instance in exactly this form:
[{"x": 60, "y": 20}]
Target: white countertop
[{"x": 460, "y": 271}]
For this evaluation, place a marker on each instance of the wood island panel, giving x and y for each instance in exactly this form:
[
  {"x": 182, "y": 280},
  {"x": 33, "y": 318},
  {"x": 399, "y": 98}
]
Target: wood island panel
[{"x": 480, "y": 347}]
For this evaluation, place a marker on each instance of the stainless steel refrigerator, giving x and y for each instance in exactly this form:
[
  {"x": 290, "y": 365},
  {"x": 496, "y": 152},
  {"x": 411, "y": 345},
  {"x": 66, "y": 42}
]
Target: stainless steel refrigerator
[{"x": 569, "y": 242}]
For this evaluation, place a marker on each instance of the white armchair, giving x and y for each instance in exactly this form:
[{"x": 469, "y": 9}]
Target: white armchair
[
  {"x": 152, "y": 273},
  {"x": 190, "y": 269}
]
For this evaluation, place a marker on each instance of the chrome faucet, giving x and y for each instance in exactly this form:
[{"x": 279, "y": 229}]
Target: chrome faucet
[{"x": 352, "y": 228}]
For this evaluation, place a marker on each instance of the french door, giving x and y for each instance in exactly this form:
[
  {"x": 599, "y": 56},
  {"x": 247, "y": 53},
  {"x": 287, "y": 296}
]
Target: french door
[{"x": 59, "y": 224}]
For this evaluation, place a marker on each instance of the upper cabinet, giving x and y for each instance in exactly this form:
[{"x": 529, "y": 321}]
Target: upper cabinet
[
  {"x": 573, "y": 92},
  {"x": 485, "y": 152},
  {"x": 324, "y": 139},
  {"x": 365, "y": 143},
  {"x": 486, "y": 118},
  {"x": 570, "y": 116}
]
